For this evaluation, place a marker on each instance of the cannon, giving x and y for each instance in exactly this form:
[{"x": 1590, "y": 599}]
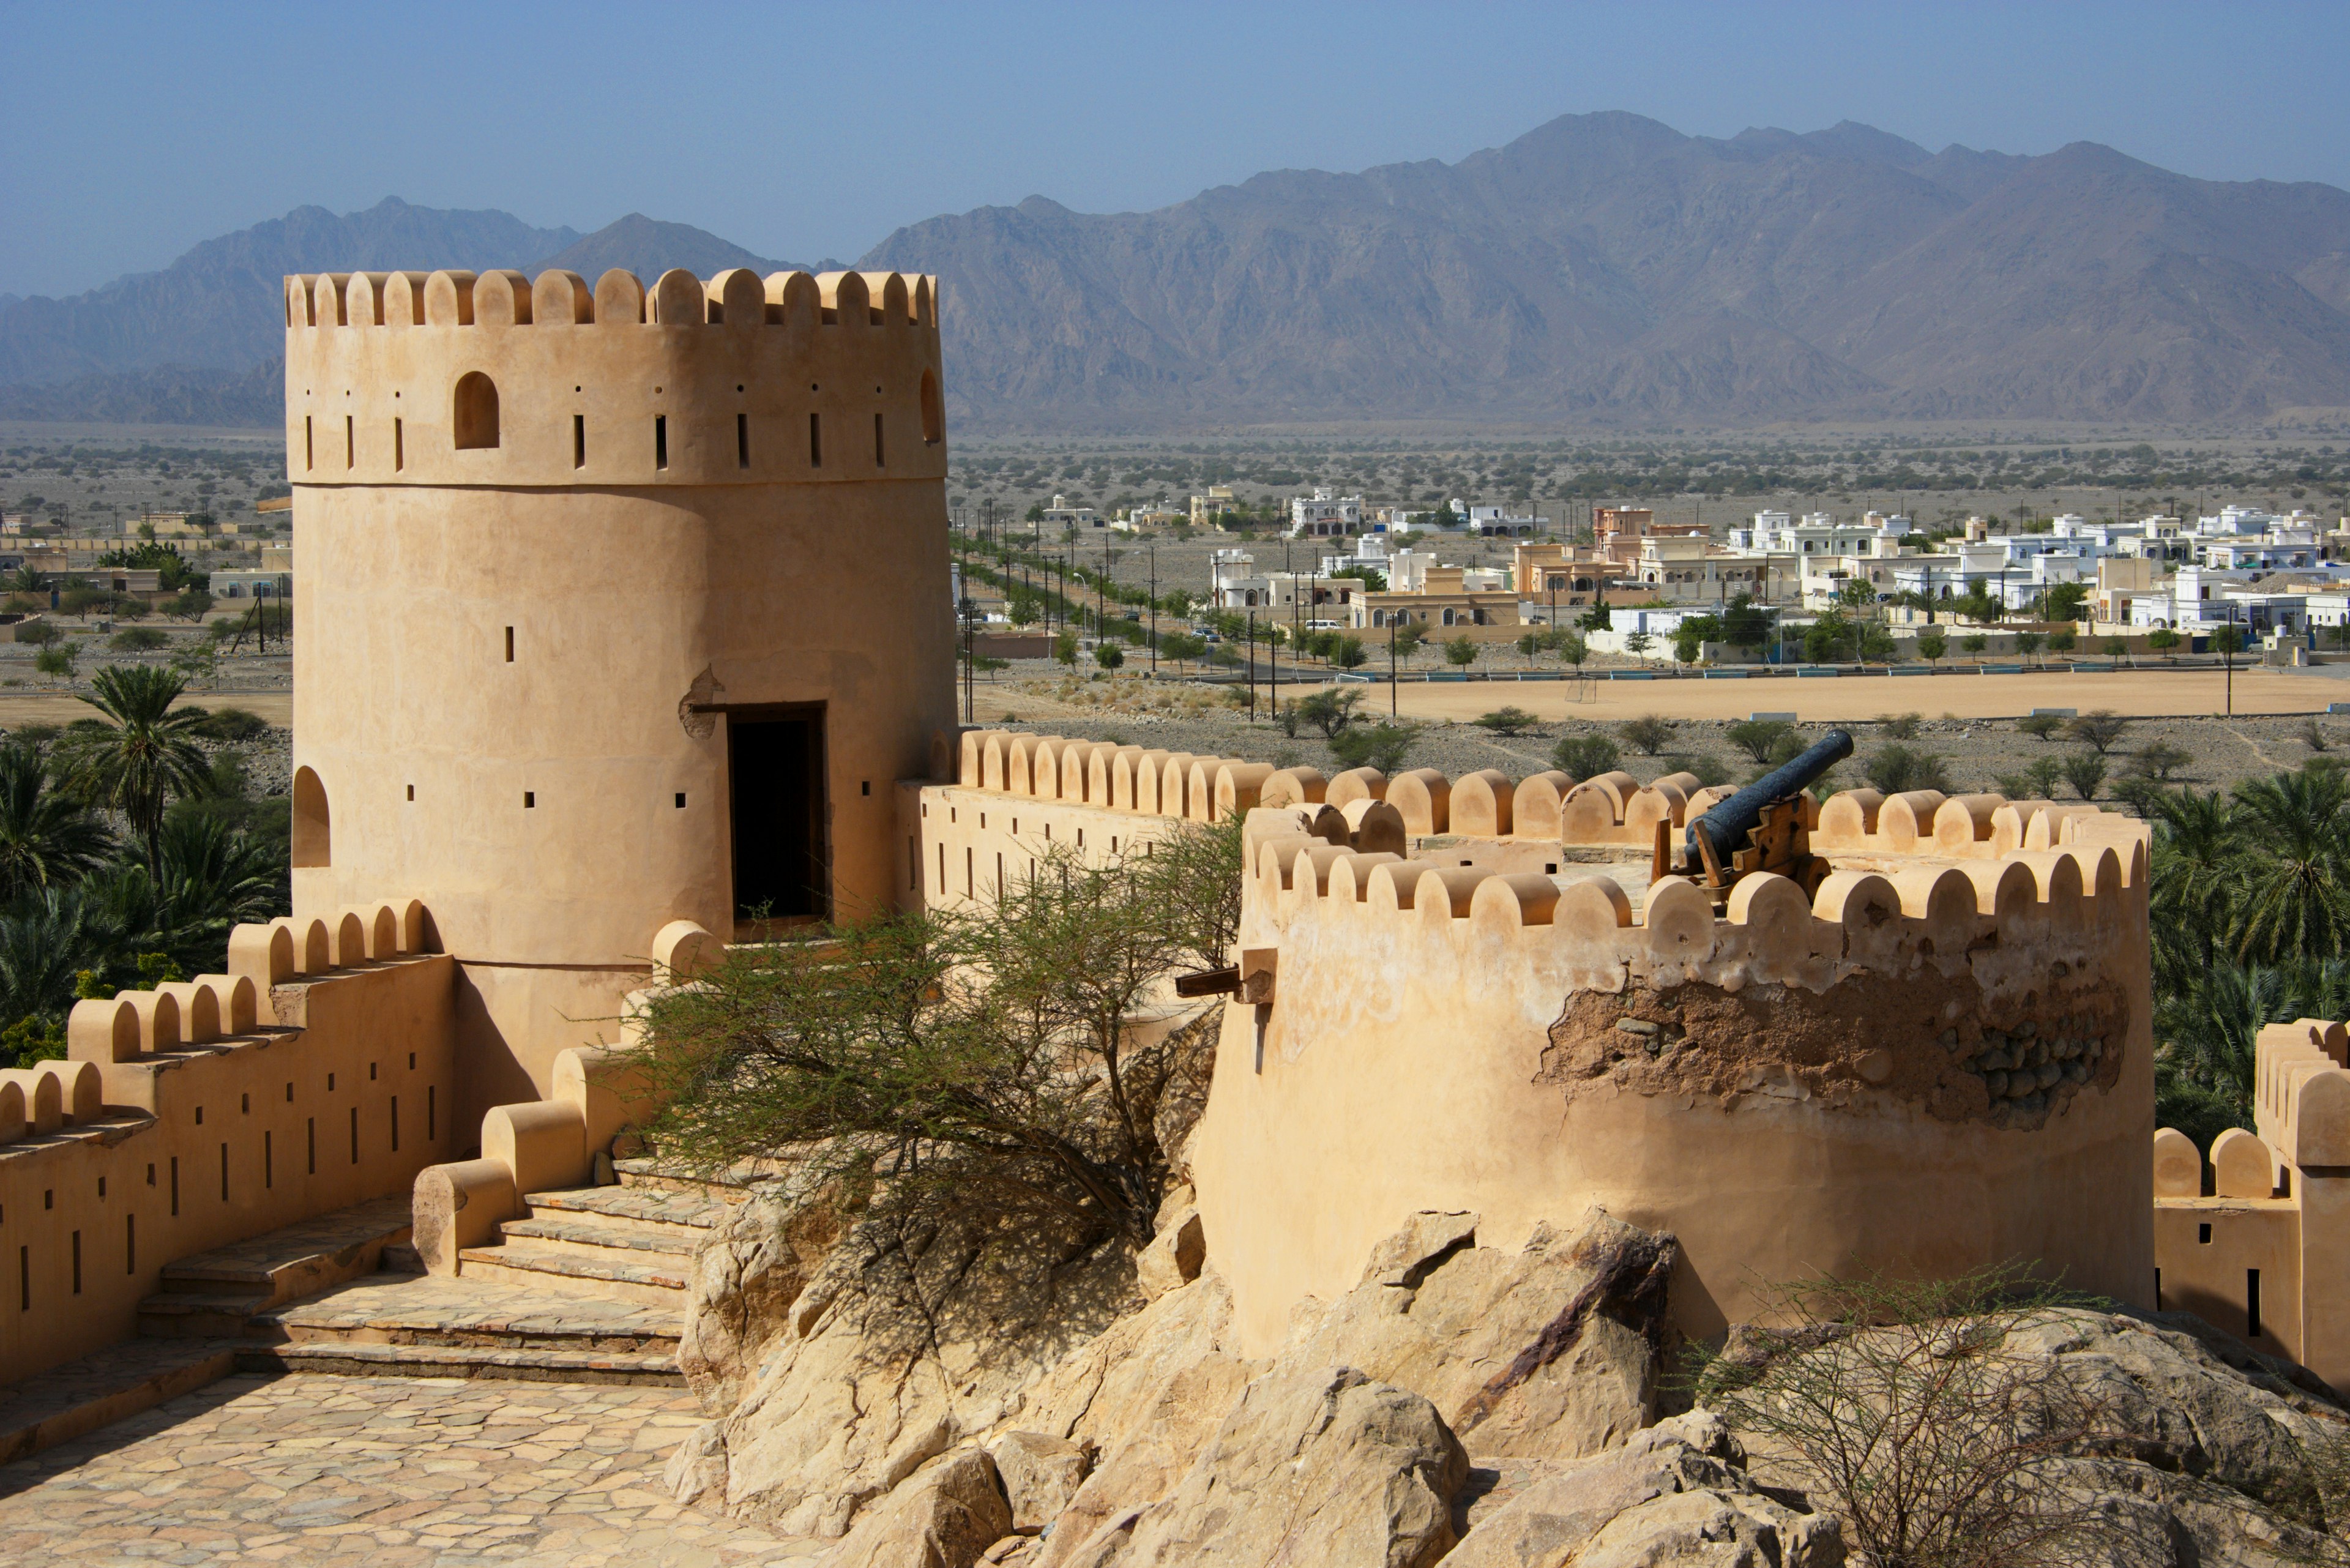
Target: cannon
[{"x": 1762, "y": 827}]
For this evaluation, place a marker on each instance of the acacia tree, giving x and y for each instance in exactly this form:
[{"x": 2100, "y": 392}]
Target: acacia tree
[{"x": 986, "y": 1056}]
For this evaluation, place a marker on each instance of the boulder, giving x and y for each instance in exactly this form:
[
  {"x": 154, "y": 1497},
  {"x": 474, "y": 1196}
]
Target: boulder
[
  {"x": 1676, "y": 1492},
  {"x": 697, "y": 1468},
  {"x": 1312, "y": 1466},
  {"x": 1550, "y": 1352},
  {"x": 1040, "y": 1474},
  {"x": 746, "y": 1275},
  {"x": 1174, "y": 1256},
  {"x": 916, "y": 1334},
  {"x": 945, "y": 1515},
  {"x": 1117, "y": 1383}
]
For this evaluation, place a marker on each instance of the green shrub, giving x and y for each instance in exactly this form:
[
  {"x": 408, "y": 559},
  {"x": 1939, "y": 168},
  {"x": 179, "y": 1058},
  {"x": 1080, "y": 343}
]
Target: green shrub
[
  {"x": 1584, "y": 757},
  {"x": 1648, "y": 734},
  {"x": 1758, "y": 738},
  {"x": 1381, "y": 746},
  {"x": 1507, "y": 720},
  {"x": 1897, "y": 769}
]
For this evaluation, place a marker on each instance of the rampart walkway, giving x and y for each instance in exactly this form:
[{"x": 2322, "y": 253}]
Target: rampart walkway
[{"x": 390, "y": 1473}]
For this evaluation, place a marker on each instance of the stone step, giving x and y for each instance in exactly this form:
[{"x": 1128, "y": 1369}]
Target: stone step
[
  {"x": 471, "y": 1311},
  {"x": 78, "y": 1397},
  {"x": 595, "y": 1235},
  {"x": 296, "y": 1260},
  {"x": 197, "y": 1314},
  {"x": 691, "y": 1214},
  {"x": 647, "y": 1174},
  {"x": 350, "y": 1360},
  {"x": 615, "y": 1278}
]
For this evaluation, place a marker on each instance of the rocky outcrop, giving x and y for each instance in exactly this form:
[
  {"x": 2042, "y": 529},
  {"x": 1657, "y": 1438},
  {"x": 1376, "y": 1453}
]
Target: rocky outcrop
[
  {"x": 915, "y": 1337},
  {"x": 1675, "y": 1492},
  {"x": 745, "y": 1278},
  {"x": 1310, "y": 1466},
  {"x": 1550, "y": 1350},
  {"x": 947, "y": 1397},
  {"x": 943, "y": 1516}
]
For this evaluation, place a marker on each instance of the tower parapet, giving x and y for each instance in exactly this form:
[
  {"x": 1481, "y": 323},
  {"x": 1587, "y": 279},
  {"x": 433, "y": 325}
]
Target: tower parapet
[{"x": 459, "y": 378}]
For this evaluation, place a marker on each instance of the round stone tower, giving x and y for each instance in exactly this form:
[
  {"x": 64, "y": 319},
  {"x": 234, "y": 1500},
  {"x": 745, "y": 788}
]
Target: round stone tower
[{"x": 616, "y": 608}]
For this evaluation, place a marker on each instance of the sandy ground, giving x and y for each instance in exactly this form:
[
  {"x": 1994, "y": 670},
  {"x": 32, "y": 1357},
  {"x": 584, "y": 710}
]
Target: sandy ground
[
  {"x": 2139, "y": 693},
  {"x": 1967, "y": 722},
  {"x": 63, "y": 708}
]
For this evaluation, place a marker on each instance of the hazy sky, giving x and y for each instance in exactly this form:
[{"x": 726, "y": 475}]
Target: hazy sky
[{"x": 128, "y": 133}]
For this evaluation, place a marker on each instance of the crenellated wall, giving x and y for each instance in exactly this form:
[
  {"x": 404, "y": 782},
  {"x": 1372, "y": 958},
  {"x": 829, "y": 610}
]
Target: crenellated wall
[
  {"x": 316, "y": 1073},
  {"x": 688, "y": 383},
  {"x": 1941, "y": 1061},
  {"x": 1934, "y": 1070},
  {"x": 2266, "y": 1255}
]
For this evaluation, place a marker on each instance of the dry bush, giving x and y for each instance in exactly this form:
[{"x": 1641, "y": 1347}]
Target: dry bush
[{"x": 1896, "y": 1404}]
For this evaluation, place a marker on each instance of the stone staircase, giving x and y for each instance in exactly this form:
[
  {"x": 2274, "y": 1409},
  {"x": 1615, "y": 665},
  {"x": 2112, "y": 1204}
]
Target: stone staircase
[
  {"x": 632, "y": 1243},
  {"x": 588, "y": 1287}
]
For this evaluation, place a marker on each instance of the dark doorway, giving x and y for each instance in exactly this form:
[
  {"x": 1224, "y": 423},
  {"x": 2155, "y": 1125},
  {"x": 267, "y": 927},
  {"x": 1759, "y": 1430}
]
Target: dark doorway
[{"x": 775, "y": 762}]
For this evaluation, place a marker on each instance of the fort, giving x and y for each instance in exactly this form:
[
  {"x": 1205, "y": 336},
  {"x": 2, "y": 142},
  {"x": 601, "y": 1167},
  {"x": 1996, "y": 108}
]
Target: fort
[{"x": 1924, "y": 1047}]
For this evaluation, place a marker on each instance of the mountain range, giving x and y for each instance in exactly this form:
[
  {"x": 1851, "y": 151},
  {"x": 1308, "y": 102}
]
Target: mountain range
[{"x": 1602, "y": 268}]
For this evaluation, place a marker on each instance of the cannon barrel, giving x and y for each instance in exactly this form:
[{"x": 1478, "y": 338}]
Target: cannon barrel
[{"x": 1726, "y": 825}]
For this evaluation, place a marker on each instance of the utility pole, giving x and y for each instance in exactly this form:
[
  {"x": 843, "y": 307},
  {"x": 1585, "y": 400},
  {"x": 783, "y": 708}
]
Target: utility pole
[
  {"x": 1154, "y": 611},
  {"x": 1391, "y": 667},
  {"x": 2228, "y": 657},
  {"x": 1251, "y": 667}
]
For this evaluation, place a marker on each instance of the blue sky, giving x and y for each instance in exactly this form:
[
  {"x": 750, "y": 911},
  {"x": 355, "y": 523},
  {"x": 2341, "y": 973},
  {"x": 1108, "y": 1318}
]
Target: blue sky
[{"x": 128, "y": 133}]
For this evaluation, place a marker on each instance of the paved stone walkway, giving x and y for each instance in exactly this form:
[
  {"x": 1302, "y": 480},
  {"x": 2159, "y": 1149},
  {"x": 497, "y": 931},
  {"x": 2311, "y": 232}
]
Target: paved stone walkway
[{"x": 399, "y": 1472}]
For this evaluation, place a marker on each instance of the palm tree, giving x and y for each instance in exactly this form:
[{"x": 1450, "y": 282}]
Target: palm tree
[
  {"x": 46, "y": 839},
  {"x": 44, "y": 941},
  {"x": 2194, "y": 886},
  {"x": 2294, "y": 880},
  {"x": 209, "y": 874},
  {"x": 146, "y": 757}
]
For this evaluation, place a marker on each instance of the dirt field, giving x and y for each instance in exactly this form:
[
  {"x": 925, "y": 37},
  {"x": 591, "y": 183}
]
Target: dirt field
[
  {"x": 1976, "y": 750},
  {"x": 2139, "y": 693}
]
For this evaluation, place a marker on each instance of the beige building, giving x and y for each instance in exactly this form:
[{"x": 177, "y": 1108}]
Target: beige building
[
  {"x": 595, "y": 639},
  {"x": 1688, "y": 569}
]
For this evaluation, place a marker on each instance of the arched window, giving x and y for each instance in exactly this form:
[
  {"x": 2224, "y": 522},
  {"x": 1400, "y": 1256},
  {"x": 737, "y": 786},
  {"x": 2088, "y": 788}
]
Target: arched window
[
  {"x": 312, "y": 834},
  {"x": 934, "y": 413},
  {"x": 475, "y": 415}
]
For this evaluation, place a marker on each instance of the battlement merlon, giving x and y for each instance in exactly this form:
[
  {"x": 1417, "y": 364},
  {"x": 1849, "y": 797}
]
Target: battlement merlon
[
  {"x": 461, "y": 378},
  {"x": 2301, "y": 1092}
]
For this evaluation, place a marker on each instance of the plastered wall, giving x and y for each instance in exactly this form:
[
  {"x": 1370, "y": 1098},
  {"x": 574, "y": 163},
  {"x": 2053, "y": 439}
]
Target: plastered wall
[
  {"x": 520, "y": 665},
  {"x": 2265, "y": 1255},
  {"x": 1942, "y": 1062},
  {"x": 213, "y": 1112}
]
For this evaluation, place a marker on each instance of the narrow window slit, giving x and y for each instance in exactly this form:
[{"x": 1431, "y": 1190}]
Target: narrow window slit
[
  {"x": 742, "y": 440},
  {"x": 661, "y": 441}
]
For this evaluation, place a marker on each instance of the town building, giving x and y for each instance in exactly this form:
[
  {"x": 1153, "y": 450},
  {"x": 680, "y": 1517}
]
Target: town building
[
  {"x": 1325, "y": 515},
  {"x": 1217, "y": 503},
  {"x": 1062, "y": 514}
]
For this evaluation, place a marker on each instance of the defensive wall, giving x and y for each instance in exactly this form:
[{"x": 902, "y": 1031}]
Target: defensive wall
[
  {"x": 314, "y": 1075},
  {"x": 1465, "y": 994},
  {"x": 2265, "y": 1254},
  {"x": 492, "y": 478}
]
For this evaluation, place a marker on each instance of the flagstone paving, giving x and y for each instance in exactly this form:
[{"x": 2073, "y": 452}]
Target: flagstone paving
[{"x": 390, "y": 1473}]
